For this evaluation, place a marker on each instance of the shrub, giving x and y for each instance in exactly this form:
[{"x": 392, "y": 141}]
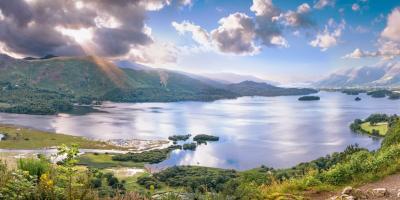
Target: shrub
[{"x": 35, "y": 167}]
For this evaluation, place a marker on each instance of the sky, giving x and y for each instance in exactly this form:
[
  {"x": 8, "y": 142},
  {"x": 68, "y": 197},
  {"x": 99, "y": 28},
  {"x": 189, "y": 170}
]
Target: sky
[{"x": 286, "y": 40}]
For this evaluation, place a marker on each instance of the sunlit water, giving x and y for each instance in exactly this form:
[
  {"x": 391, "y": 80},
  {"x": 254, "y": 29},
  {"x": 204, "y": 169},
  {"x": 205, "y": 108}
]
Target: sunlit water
[{"x": 274, "y": 131}]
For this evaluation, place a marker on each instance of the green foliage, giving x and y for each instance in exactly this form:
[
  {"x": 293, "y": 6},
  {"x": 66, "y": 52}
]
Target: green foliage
[
  {"x": 202, "y": 138},
  {"x": 189, "y": 146},
  {"x": 309, "y": 98},
  {"x": 148, "y": 182},
  {"x": 20, "y": 186},
  {"x": 179, "y": 137},
  {"x": 35, "y": 167},
  {"x": 27, "y": 100},
  {"x": 152, "y": 156},
  {"x": 379, "y": 93},
  {"x": 196, "y": 178}
]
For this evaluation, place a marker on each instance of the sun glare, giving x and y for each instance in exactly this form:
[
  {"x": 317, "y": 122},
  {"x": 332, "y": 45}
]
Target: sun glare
[{"x": 81, "y": 36}]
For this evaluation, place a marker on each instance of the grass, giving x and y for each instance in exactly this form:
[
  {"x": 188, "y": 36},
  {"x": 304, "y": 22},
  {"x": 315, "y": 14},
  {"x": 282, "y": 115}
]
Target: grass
[
  {"x": 102, "y": 161},
  {"x": 381, "y": 127},
  {"x": 25, "y": 138}
]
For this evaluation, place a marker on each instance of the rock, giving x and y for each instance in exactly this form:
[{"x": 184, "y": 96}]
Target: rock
[
  {"x": 359, "y": 194},
  {"x": 380, "y": 192},
  {"x": 347, "y": 190},
  {"x": 334, "y": 198}
]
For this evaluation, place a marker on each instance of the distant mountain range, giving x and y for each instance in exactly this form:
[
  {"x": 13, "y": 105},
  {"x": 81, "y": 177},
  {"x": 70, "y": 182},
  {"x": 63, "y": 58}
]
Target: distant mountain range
[
  {"x": 55, "y": 83},
  {"x": 387, "y": 75}
]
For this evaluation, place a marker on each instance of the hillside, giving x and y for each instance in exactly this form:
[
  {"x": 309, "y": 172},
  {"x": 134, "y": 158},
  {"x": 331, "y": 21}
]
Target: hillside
[
  {"x": 250, "y": 88},
  {"x": 387, "y": 75},
  {"x": 51, "y": 85}
]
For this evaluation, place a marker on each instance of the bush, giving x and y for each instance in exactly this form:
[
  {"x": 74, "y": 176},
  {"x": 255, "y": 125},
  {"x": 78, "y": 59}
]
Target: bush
[{"x": 35, "y": 167}]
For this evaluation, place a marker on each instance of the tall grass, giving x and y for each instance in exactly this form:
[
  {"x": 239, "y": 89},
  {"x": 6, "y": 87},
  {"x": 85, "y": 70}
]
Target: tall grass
[{"x": 35, "y": 167}]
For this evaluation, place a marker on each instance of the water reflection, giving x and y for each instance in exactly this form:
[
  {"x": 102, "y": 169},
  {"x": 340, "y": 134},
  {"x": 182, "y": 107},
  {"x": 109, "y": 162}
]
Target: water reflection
[{"x": 274, "y": 131}]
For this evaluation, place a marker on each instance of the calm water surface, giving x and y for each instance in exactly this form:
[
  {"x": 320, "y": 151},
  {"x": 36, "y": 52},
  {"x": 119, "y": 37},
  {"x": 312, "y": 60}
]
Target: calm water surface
[{"x": 274, "y": 131}]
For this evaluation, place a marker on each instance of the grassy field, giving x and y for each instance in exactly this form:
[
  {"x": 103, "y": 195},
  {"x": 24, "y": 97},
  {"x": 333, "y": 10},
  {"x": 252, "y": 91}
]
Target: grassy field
[
  {"x": 381, "y": 127},
  {"x": 25, "y": 138},
  {"x": 102, "y": 161}
]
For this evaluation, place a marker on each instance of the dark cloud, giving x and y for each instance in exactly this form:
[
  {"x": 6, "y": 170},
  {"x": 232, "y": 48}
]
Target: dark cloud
[{"x": 30, "y": 27}]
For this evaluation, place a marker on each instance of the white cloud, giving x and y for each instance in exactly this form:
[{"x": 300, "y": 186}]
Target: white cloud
[
  {"x": 300, "y": 18},
  {"x": 199, "y": 35},
  {"x": 389, "y": 41},
  {"x": 329, "y": 38},
  {"x": 264, "y": 8},
  {"x": 304, "y": 8},
  {"x": 355, "y": 7},
  {"x": 156, "y": 54},
  {"x": 236, "y": 35},
  {"x": 392, "y": 30},
  {"x": 358, "y": 53},
  {"x": 279, "y": 41},
  {"x": 323, "y": 3}
]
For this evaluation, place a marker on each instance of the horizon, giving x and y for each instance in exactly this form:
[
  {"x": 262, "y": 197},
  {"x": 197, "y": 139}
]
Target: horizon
[{"x": 286, "y": 42}]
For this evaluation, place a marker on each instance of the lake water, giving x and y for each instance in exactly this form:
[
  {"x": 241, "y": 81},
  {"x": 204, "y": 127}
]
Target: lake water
[{"x": 274, "y": 131}]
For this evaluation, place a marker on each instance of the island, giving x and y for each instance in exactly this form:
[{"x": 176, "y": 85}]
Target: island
[
  {"x": 176, "y": 138},
  {"x": 309, "y": 98},
  {"x": 203, "y": 138},
  {"x": 375, "y": 124}
]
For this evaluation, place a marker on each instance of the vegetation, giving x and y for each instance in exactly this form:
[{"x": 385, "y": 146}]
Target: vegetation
[
  {"x": 196, "y": 178},
  {"x": 353, "y": 91},
  {"x": 102, "y": 161},
  {"x": 25, "y": 138},
  {"x": 23, "y": 99},
  {"x": 179, "y": 137},
  {"x": 250, "y": 88},
  {"x": 54, "y": 84},
  {"x": 309, "y": 98},
  {"x": 375, "y": 124},
  {"x": 379, "y": 93},
  {"x": 375, "y": 129},
  {"x": 152, "y": 156},
  {"x": 394, "y": 96},
  {"x": 203, "y": 138},
  {"x": 40, "y": 179},
  {"x": 353, "y": 166},
  {"x": 357, "y": 99},
  {"x": 189, "y": 146}
]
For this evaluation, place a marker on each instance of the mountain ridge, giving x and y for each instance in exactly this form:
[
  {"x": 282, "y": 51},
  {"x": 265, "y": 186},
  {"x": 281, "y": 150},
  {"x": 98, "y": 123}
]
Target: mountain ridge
[{"x": 385, "y": 75}]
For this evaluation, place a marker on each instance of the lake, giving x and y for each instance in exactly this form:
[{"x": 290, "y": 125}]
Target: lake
[{"x": 273, "y": 131}]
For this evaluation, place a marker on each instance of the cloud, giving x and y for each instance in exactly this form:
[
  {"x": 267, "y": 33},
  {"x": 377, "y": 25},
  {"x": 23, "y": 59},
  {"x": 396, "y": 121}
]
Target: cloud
[
  {"x": 264, "y": 8},
  {"x": 279, "y": 41},
  {"x": 235, "y": 34},
  {"x": 110, "y": 28},
  {"x": 330, "y": 36},
  {"x": 392, "y": 30},
  {"x": 199, "y": 34},
  {"x": 156, "y": 54},
  {"x": 323, "y": 3},
  {"x": 389, "y": 41},
  {"x": 358, "y": 53},
  {"x": 355, "y": 7},
  {"x": 299, "y": 18},
  {"x": 387, "y": 50}
]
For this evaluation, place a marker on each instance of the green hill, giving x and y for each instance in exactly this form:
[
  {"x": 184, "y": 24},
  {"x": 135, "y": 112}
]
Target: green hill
[{"x": 54, "y": 84}]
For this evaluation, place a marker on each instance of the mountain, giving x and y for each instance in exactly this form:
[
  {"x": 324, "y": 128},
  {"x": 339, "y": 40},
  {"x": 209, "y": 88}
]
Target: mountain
[
  {"x": 386, "y": 75},
  {"x": 229, "y": 78},
  {"x": 130, "y": 65},
  {"x": 54, "y": 84},
  {"x": 251, "y": 88}
]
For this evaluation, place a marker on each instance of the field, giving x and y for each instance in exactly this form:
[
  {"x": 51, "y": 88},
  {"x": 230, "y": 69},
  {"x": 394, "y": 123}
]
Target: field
[
  {"x": 381, "y": 127},
  {"x": 25, "y": 138}
]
